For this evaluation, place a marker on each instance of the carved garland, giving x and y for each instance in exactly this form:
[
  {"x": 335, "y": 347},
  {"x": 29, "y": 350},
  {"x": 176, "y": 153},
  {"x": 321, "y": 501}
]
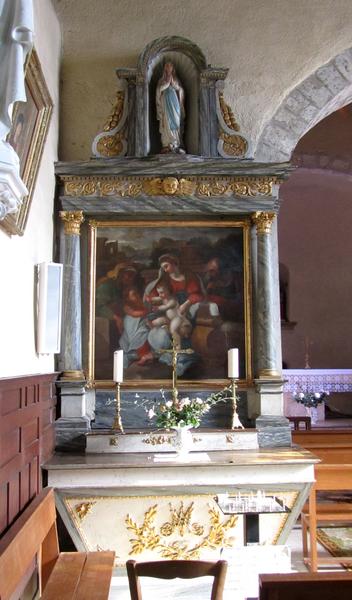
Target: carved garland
[
  {"x": 168, "y": 186},
  {"x": 148, "y": 537}
]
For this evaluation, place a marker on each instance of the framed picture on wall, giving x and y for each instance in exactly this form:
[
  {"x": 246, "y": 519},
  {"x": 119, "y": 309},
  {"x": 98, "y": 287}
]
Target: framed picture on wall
[
  {"x": 30, "y": 123},
  {"x": 154, "y": 281}
]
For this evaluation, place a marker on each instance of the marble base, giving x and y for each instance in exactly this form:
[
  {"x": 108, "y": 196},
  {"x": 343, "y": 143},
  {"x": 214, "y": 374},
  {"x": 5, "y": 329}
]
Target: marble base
[
  {"x": 273, "y": 431},
  {"x": 110, "y": 441},
  {"x": 70, "y": 433}
]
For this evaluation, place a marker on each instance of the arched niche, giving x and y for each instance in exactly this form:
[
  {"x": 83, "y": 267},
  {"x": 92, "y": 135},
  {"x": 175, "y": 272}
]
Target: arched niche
[
  {"x": 202, "y": 84},
  {"x": 189, "y": 61},
  {"x": 188, "y": 75}
]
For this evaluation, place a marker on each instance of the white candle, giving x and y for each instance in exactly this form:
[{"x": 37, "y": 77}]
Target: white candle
[
  {"x": 233, "y": 363},
  {"x": 118, "y": 366}
]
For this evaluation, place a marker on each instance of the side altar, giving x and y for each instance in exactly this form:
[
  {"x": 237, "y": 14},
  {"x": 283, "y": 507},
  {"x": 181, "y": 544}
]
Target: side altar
[{"x": 168, "y": 235}]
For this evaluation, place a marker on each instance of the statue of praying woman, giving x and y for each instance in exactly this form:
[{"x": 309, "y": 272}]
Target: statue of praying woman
[{"x": 170, "y": 110}]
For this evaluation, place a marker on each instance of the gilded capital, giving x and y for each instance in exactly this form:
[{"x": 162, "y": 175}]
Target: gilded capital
[
  {"x": 73, "y": 220},
  {"x": 263, "y": 221}
]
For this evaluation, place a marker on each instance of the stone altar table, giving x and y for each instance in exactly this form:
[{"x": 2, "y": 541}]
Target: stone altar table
[{"x": 147, "y": 509}]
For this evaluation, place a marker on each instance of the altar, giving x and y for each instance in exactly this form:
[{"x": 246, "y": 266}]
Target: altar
[
  {"x": 150, "y": 510},
  {"x": 168, "y": 236}
]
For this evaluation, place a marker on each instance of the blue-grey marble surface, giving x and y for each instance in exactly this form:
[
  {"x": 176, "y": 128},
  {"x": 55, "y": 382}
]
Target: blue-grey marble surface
[
  {"x": 162, "y": 165},
  {"x": 134, "y": 415}
]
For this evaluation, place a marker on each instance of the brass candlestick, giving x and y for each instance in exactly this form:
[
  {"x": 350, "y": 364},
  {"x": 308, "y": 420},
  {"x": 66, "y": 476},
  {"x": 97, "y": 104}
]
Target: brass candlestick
[
  {"x": 235, "y": 422},
  {"x": 117, "y": 425}
]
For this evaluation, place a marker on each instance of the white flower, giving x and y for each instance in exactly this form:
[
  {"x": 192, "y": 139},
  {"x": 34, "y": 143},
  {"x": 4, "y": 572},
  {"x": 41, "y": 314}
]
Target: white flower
[
  {"x": 317, "y": 395},
  {"x": 186, "y": 402},
  {"x": 151, "y": 413},
  {"x": 199, "y": 401},
  {"x": 168, "y": 404},
  {"x": 301, "y": 395}
]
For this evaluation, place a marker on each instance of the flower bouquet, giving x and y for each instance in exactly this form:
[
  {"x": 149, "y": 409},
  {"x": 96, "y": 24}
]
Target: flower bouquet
[
  {"x": 182, "y": 412},
  {"x": 310, "y": 399}
]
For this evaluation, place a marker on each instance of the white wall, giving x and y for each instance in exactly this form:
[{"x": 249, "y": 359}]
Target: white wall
[{"x": 20, "y": 254}]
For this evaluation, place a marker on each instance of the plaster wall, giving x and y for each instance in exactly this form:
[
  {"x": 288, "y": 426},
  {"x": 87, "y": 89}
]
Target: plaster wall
[
  {"x": 270, "y": 47},
  {"x": 20, "y": 254},
  {"x": 315, "y": 245}
]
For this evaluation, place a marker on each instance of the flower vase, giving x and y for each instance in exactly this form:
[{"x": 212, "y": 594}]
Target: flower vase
[
  {"x": 312, "y": 412},
  {"x": 182, "y": 440}
]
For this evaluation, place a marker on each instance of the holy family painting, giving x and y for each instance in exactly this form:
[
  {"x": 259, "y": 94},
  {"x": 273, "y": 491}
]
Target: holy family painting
[{"x": 164, "y": 283}]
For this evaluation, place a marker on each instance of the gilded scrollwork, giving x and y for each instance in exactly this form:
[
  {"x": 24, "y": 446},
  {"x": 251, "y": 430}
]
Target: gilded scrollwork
[
  {"x": 156, "y": 440},
  {"x": 227, "y": 114},
  {"x": 83, "y": 509},
  {"x": 234, "y": 145},
  {"x": 149, "y": 537},
  {"x": 230, "y": 144},
  {"x": 181, "y": 522},
  {"x": 112, "y": 140},
  {"x": 133, "y": 187}
]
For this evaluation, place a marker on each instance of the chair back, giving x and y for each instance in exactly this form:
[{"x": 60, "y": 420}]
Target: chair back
[{"x": 170, "y": 569}]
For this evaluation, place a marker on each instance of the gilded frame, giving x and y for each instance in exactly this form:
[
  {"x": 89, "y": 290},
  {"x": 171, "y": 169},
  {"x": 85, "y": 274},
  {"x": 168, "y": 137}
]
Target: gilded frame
[
  {"x": 31, "y": 119},
  {"x": 163, "y": 226}
]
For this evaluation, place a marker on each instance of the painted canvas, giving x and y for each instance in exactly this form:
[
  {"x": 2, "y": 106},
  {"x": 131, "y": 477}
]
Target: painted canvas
[{"x": 158, "y": 282}]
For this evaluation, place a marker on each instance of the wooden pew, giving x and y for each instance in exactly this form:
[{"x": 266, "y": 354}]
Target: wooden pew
[
  {"x": 306, "y": 586},
  {"x": 328, "y": 477},
  {"x": 334, "y": 473},
  {"x": 32, "y": 543}
]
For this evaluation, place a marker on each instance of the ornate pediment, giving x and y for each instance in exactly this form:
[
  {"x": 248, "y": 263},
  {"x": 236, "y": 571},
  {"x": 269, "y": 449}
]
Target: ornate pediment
[{"x": 172, "y": 102}]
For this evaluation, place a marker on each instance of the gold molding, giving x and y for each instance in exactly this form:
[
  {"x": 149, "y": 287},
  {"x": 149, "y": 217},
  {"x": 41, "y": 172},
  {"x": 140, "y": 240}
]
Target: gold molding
[
  {"x": 269, "y": 374},
  {"x": 72, "y": 375},
  {"x": 263, "y": 221},
  {"x": 73, "y": 220},
  {"x": 170, "y": 186}
]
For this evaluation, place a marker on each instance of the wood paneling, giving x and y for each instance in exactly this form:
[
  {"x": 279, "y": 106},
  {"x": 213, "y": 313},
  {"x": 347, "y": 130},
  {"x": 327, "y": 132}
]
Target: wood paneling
[{"x": 27, "y": 439}]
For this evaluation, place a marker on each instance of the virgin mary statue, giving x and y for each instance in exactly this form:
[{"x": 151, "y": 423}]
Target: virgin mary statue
[{"x": 170, "y": 110}]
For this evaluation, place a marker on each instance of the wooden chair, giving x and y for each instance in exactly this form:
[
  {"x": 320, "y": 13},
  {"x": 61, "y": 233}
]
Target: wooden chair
[{"x": 170, "y": 569}]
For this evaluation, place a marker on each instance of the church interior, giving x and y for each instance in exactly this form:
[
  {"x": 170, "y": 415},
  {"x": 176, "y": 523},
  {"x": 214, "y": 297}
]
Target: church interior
[{"x": 174, "y": 208}]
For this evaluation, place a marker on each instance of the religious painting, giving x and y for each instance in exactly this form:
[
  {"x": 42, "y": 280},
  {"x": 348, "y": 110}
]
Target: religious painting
[
  {"x": 27, "y": 135},
  {"x": 163, "y": 283}
]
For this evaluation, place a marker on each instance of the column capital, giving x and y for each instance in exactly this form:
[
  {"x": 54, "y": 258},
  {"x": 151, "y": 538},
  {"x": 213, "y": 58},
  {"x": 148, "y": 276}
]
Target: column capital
[
  {"x": 263, "y": 221},
  {"x": 73, "y": 220}
]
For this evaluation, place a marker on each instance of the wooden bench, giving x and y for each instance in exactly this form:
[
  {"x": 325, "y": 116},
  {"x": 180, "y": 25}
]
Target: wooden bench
[
  {"x": 328, "y": 477},
  {"x": 306, "y": 586},
  {"x": 333, "y": 474},
  {"x": 31, "y": 545}
]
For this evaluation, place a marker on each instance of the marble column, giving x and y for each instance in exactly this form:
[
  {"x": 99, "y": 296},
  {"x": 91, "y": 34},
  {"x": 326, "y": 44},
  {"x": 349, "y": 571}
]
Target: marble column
[
  {"x": 273, "y": 428},
  {"x": 71, "y": 354},
  {"x": 74, "y": 421},
  {"x": 266, "y": 351}
]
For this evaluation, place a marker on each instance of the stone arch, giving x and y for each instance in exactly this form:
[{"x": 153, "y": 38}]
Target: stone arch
[{"x": 324, "y": 91}]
